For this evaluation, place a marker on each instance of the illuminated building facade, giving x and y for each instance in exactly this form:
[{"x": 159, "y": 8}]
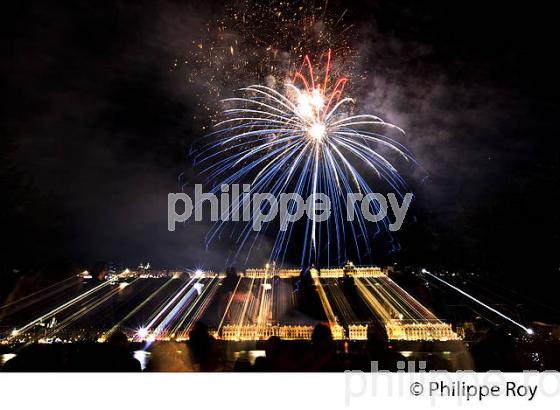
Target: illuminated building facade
[{"x": 252, "y": 316}]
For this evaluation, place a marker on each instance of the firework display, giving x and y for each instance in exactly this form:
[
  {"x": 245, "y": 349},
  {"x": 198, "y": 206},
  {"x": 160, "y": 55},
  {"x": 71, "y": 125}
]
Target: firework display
[
  {"x": 277, "y": 186},
  {"x": 306, "y": 140}
]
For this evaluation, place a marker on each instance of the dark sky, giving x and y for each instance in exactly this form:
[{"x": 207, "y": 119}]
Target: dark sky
[{"x": 96, "y": 127}]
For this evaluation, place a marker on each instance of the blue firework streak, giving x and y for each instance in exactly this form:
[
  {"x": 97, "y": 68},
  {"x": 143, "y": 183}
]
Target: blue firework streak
[{"x": 303, "y": 140}]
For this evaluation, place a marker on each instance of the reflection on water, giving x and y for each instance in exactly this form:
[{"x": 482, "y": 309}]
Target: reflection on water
[
  {"x": 5, "y": 357},
  {"x": 143, "y": 357},
  {"x": 248, "y": 355},
  {"x": 253, "y": 354}
]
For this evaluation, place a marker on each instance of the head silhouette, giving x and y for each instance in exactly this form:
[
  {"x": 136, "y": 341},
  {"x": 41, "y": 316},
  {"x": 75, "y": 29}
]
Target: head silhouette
[{"x": 322, "y": 337}]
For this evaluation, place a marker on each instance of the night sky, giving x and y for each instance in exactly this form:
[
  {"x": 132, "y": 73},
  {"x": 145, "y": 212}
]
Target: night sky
[{"x": 97, "y": 124}]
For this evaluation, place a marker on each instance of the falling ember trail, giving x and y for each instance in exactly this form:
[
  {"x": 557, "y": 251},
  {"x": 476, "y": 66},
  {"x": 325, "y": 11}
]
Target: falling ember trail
[{"x": 526, "y": 329}]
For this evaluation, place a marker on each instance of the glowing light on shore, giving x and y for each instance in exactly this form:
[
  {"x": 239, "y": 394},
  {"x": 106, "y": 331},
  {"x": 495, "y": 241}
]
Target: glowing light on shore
[{"x": 142, "y": 333}]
